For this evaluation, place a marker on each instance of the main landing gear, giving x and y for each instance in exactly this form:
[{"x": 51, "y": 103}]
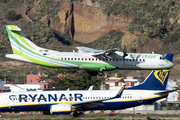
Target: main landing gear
[
  {"x": 0, "y": 115},
  {"x": 78, "y": 113}
]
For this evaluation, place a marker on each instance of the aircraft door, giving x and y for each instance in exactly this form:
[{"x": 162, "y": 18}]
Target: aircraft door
[{"x": 5, "y": 99}]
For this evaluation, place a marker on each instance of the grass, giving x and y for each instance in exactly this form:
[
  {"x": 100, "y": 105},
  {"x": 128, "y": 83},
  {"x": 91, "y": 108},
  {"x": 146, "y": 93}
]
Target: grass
[{"x": 94, "y": 116}]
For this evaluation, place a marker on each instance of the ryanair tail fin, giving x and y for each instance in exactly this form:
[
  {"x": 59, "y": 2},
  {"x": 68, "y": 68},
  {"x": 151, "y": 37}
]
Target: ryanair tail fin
[
  {"x": 157, "y": 80},
  {"x": 18, "y": 41},
  {"x": 169, "y": 57}
]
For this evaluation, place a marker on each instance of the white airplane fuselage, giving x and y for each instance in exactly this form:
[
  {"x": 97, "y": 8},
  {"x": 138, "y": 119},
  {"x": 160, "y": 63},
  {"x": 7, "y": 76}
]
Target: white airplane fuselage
[
  {"x": 42, "y": 101},
  {"x": 87, "y": 61},
  {"x": 86, "y": 58}
]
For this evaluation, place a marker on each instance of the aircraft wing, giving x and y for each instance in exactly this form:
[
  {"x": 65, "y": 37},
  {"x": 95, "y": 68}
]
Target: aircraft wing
[
  {"x": 94, "y": 103},
  {"x": 95, "y": 52},
  {"x": 165, "y": 92}
]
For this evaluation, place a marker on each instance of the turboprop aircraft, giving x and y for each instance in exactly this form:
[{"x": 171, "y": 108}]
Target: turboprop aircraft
[
  {"x": 86, "y": 58},
  {"x": 65, "y": 102}
]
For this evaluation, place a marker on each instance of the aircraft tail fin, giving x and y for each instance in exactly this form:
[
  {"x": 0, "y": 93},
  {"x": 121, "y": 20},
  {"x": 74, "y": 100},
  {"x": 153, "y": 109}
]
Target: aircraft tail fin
[
  {"x": 157, "y": 80},
  {"x": 18, "y": 41},
  {"x": 169, "y": 57}
]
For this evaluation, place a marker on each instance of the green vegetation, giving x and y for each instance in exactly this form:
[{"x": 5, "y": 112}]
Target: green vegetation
[
  {"x": 152, "y": 18},
  {"x": 91, "y": 116},
  {"x": 112, "y": 39},
  {"x": 72, "y": 79},
  {"x": 46, "y": 8},
  {"x": 12, "y": 15}
]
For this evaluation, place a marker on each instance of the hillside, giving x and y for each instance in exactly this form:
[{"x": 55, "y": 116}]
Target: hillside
[{"x": 143, "y": 26}]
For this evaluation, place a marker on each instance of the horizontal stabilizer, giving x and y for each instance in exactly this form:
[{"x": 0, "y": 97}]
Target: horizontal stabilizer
[
  {"x": 17, "y": 57},
  {"x": 165, "y": 92},
  {"x": 14, "y": 28}
]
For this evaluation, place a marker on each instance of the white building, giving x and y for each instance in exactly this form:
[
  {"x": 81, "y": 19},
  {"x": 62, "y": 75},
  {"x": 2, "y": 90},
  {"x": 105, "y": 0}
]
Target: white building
[{"x": 22, "y": 87}]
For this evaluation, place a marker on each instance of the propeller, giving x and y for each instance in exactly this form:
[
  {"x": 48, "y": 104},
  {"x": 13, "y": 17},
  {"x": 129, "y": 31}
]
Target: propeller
[{"x": 124, "y": 53}]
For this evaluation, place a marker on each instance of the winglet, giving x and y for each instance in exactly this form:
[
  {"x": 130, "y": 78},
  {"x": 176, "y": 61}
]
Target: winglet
[{"x": 120, "y": 92}]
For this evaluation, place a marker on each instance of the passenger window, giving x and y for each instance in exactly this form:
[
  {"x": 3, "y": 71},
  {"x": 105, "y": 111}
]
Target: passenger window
[
  {"x": 85, "y": 58},
  {"x": 68, "y": 58},
  {"x": 143, "y": 59},
  {"x": 74, "y": 58},
  {"x": 81, "y": 58},
  {"x": 89, "y": 59},
  {"x": 78, "y": 58},
  {"x": 116, "y": 59},
  {"x": 92, "y": 59},
  {"x": 71, "y": 58},
  {"x": 61, "y": 58},
  {"x": 65, "y": 58}
]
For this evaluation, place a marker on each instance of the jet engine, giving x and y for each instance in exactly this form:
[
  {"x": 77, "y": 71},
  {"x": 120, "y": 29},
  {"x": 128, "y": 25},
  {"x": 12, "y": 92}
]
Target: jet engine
[{"x": 60, "y": 109}]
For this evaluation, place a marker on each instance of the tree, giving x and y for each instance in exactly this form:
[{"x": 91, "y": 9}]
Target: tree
[{"x": 72, "y": 79}]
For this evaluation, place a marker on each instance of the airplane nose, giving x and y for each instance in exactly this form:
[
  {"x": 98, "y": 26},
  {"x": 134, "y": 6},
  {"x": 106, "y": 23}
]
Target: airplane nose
[{"x": 170, "y": 64}]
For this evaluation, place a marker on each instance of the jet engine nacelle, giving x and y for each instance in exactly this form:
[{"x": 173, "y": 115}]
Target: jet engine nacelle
[{"x": 60, "y": 109}]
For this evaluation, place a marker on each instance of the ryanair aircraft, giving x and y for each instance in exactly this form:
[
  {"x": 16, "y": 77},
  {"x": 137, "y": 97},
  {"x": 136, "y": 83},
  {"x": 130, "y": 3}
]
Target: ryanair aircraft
[
  {"x": 86, "y": 58},
  {"x": 65, "y": 102}
]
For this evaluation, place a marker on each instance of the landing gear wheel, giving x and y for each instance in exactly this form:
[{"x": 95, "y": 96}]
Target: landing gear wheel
[
  {"x": 100, "y": 73},
  {"x": 76, "y": 113}
]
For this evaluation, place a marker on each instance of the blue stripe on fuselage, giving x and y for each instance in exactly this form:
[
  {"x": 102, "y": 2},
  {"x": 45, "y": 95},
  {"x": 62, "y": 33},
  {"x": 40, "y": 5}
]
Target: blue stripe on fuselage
[{"x": 48, "y": 59}]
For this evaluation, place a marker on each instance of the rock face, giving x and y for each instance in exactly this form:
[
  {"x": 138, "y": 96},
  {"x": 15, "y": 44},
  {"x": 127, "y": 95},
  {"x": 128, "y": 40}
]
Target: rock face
[
  {"x": 69, "y": 21},
  {"x": 149, "y": 46},
  {"x": 87, "y": 23}
]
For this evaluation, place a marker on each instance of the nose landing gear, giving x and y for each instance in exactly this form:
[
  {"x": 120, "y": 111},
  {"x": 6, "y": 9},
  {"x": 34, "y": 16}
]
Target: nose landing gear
[{"x": 100, "y": 73}]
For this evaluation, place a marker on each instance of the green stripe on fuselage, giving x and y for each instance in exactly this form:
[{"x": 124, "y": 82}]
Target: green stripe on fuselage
[{"x": 86, "y": 65}]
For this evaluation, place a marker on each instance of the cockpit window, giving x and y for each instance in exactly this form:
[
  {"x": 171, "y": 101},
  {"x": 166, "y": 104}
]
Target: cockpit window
[{"x": 161, "y": 58}]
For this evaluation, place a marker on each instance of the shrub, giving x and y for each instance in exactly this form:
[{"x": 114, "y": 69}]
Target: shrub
[{"x": 12, "y": 15}]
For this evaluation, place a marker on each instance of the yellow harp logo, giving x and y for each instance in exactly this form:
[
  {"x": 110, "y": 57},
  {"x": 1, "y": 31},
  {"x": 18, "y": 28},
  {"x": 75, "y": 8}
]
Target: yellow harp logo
[{"x": 161, "y": 76}]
